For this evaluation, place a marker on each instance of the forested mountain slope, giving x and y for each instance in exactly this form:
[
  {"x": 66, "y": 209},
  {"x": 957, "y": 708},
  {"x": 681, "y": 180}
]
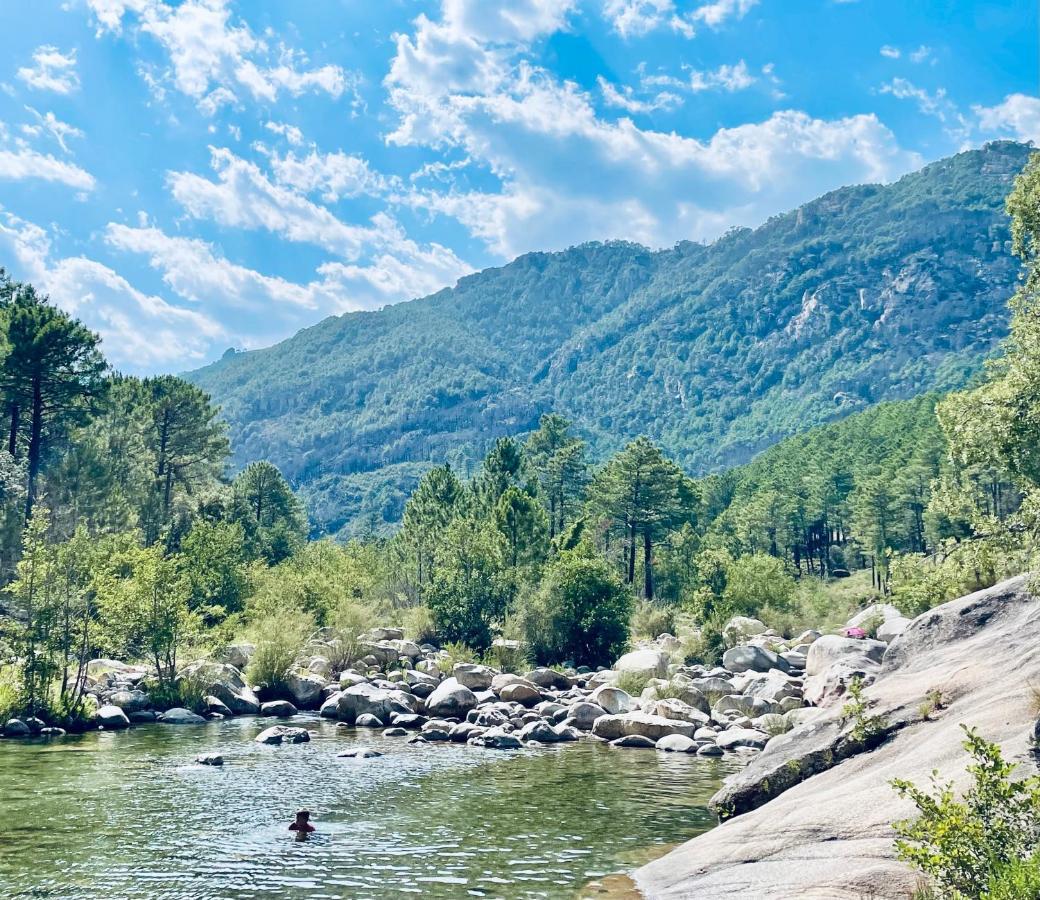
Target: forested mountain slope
[{"x": 716, "y": 351}]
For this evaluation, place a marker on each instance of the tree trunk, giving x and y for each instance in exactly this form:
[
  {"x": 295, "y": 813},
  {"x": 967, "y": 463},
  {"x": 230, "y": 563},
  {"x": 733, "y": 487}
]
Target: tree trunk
[
  {"x": 12, "y": 440},
  {"x": 648, "y": 571},
  {"x": 35, "y": 447},
  {"x": 631, "y": 555}
]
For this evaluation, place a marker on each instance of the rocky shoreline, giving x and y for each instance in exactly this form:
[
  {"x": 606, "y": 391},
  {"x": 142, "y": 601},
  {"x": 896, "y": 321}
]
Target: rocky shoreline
[{"x": 761, "y": 691}]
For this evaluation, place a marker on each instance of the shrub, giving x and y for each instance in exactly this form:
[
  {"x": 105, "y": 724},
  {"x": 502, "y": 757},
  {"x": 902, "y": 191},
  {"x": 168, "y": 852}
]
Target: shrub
[
  {"x": 984, "y": 840},
  {"x": 9, "y": 693},
  {"x": 453, "y": 653},
  {"x": 652, "y": 619},
  {"x": 633, "y": 683},
  {"x": 706, "y": 647},
  {"x": 865, "y": 727},
  {"x": 278, "y": 638},
  {"x": 419, "y": 625},
  {"x": 756, "y": 582},
  {"x": 774, "y": 724},
  {"x": 1015, "y": 881},
  {"x": 509, "y": 659},
  {"x": 185, "y": 692},
  {"x": 349, "y": 621},
  {"x": 580, "y": 612}
]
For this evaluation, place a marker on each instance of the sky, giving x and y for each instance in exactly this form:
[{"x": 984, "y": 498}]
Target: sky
[{"x": 186, "y": 177}]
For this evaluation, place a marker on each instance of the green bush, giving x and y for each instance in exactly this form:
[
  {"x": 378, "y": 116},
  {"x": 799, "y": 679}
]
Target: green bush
[
  {"x": 580, "y": 613},
  {"x": 707, "y": 646},
  {"x": 983, "y": 841},
  {"x": 1018, "y": 880},
  {"x": 9, "y": 692},
  {"x": 278, "y": 638},
  {"x": 633, "y": 683},
  {"x": 350, "y": 619},
  {"x": 419, "y": 625},
  {"x": 453, "y": 653},
  {"x": 649, "y": 620},
  {"x": 757, "y": 582}
]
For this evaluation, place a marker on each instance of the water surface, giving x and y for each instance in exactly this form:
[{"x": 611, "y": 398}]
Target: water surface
[{"x": 129, "y": 816}]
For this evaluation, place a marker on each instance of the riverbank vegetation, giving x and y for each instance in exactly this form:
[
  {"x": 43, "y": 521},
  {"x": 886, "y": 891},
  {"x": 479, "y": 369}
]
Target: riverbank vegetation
[{"x": 122, "y": 532}]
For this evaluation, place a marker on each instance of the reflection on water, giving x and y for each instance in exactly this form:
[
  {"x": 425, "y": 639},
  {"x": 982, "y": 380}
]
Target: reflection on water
[{"x": 123, "y": 816}]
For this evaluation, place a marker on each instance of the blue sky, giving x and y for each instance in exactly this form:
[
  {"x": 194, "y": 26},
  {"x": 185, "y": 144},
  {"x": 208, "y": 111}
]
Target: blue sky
[{"x": 190, "y": 176}]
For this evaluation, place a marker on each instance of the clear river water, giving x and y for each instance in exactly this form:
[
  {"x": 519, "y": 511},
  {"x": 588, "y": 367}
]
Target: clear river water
[{"x": 130, "y": 816}]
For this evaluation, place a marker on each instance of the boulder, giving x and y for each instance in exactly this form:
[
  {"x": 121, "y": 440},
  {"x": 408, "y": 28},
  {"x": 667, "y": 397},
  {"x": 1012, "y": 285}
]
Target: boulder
[
  {"x": 635, "y": 742},
  {"x": 677, "y": 743},
  {"x": 130, "y": 701},
  {"x": 225, "y": 682},
  {"x": 329, "y": 709},
  {"x": 876, "y": 612},
  {"x": 283, "y": 734},
  {"x": 521, "y": 692},
  {"x": 451, "y": 698},
  {"x": 548, "y": 678},
  {"x": 367, "y": 720},
  {"x": 772, "y": 686},
  {"x": 652, "y": 663},
  {"x": 16, "y": 728},
  {"x": 472, "y": 676},
  {"x": 496, "y": 740},
  {"x": 740, "y": 628},
  {"x": 743, "y": 704},
  {"x": 583, "y": 713},
  {"x": 237, "y": 654},
  {"x": 640, "y": 723},
  {"x": 754, "y": 659},
  {"x": 305, "y": 689},
  {"x": 395, "y": 732},
  {"x": 672, "y": 708},
  {"x": 500, "y": 682},
  {"x": 279, "y": 708},
  {"x": 710, "y": 750},
  {"x": 833, "y": 662},
  {"x": 110, "y": 717},
  {"x": 742, "y": 737},
  {"x": 890, "y": 629},
  {"x": 539, "y": 731},
  {"x": 215, "y": 706},
  {"x": 209, "y": 759},
  {"x": 180, "y": 716},
  {"x": 359, "y": 753},
  {"x": 385, "y": 634},
  {"x": 614, "y": 700},
  {"x": 143, "y": 717},
  {"x": 367, "y": 698}
]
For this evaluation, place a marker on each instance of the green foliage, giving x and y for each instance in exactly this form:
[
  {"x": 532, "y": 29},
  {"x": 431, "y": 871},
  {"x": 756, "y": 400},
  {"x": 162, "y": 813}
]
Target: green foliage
[
  {"x": 856, "y": 712},
  {"x": 714, "y": 352},
  {"x": 986, "y": 839},
  {"x": 469, "y": 592},
  {"x": 523, "y": 523},
  {"x": 580, "y": 612},
  {"x": 758, "y": 582},
  {"x": 633, "y": 683},
  {"x": 453, "y": 653},
  {"x": 270, "y": 514},
  {"x": 651, "y": 619},
  {"x": 1018, "y": 880},
  {"x": 419, "y": 625},
  {"x": 351, "y": 619},
  {"x": 279, "y": 637},
  {"x": 214, "y": 562}
]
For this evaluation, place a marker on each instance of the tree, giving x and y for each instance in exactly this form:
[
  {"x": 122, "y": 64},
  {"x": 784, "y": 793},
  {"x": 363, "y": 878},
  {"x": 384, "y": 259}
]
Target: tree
[
  {"x": 214, "y": 560},
  {"x": 646, "y": 495},
  {"x": 523, "y": 523},
  {"x": 559, "y": 461},
  {"x": 188, "y": 442},
  {"x": 52, "y": 375},
  {"x": 756, "y": 582},
  {"x": 433, "y": 504},
  {"x": 469, "y": 591},
  {"x": 581, "y": 613},
  {"x": 269, "y": 512},
  {"x": 143, "y": 599},
  {"x": 503, "y": 467}
]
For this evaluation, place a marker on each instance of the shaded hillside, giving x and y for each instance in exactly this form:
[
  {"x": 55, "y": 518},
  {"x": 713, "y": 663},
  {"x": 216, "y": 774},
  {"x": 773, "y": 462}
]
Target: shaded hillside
[{"x": 865, "y": 294}]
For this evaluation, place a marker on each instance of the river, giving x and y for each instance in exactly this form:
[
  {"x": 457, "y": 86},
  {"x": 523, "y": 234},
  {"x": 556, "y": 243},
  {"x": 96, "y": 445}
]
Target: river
[{"x": 130, "y": 816}]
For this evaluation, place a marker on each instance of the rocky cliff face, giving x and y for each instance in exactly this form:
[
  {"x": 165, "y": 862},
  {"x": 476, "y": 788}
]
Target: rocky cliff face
[{"x": 820, "y": 824}]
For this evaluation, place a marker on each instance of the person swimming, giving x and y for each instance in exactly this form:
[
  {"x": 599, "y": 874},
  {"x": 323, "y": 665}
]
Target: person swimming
[{"x": 302, "y": 825}]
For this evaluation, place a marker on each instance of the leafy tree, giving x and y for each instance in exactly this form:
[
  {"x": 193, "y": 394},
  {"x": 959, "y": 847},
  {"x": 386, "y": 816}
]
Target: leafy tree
[
  {"x": 559, "y": 461},
  {"x": 523, "y": 523},
  {"x": 756, "y": 582},
  {"x": 214, "y": 557},
  {"x": 646, "y": 495},
  {"x": 269, "y": 512},
  {"x": 51, "y": 378},
  {"x": 431, "y": 507},
  {"x": 187, "y": 440},
  {"x": 581, "y": 612},
  {"x": 503, "y": 467},
  {"x": 469, "y": 592}
]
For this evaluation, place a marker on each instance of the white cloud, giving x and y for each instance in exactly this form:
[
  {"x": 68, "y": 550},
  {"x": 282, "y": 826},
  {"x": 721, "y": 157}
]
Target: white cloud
[
  {"x": 623, "y": 97},
  {"x": 891, "y": 52},
  {"x": 921, "y": 54},
  {"x": 565, "y": 174},
  {"x": 210, "y": 54},
  {"x": 715, "y": 14},
  {"x": 1017, "y": 116},
  {"x": 51, "y": 70},
  {"x": 138, "y": 330},
  {"x": 290, "y": 132},
  {"x": 332, "y": 175},
  {"x": 725, "y": 77},
  {"x": 634, "y": 18},
  {"x": 931, "y": 104},
  {"x": 52, "y": 125},
  {"x": 24, "y": 163}
]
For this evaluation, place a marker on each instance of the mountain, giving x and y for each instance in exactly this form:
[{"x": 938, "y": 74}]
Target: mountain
[{"x": 869, "y": 293}]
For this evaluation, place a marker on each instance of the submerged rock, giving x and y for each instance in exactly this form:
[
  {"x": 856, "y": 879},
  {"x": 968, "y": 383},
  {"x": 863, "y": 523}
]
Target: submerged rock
[{"x": 283, "y": 734}]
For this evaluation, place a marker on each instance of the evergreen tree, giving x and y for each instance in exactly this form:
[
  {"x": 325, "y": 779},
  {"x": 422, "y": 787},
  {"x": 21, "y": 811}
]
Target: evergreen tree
[
  {"x": 270, "y": 514},
  {"x": 434, "y": 503},
  {"x": 559, "y": 461}
]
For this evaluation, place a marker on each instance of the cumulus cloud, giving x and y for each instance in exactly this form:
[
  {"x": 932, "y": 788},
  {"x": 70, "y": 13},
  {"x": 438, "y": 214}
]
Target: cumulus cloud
[
  {"x": 624, "y": 97},
  {"x": 48, "y": 123},
  {"x": 1017, "y": 116},
  {"x": 332, "y": 175},
  {"x": 24, "y": 163},
  {"x": 51, "y": 70},
  {"x": 211, "y": 56},
  {"x": 566, "y": 174},
  {"x": 139, "y": 331}
]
